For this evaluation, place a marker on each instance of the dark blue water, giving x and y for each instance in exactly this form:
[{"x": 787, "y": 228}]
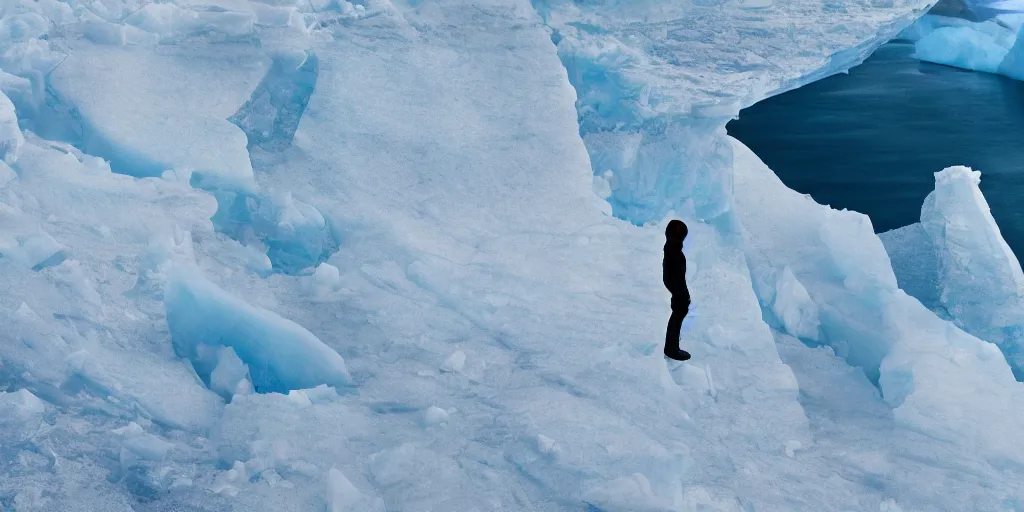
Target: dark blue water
[{"x": 872, "y": 140}]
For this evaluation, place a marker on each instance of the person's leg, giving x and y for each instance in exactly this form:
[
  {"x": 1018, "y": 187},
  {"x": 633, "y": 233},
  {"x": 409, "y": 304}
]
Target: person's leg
[{"x": 675, "y": 323}]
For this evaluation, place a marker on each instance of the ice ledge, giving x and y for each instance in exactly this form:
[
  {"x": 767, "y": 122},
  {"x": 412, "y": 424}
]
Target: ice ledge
[{"x": 656, "y": 84}]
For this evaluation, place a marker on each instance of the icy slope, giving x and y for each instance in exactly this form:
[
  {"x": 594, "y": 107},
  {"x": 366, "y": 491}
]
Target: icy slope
[
  {"x": 830, "y": 268},
  {"x": 308, "y": 256},
  {"x": 958, "y": 260}
]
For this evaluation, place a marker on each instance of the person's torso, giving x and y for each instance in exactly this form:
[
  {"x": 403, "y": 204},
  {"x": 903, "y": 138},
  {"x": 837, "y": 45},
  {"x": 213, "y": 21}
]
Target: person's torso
[{"x": 674, "y": 270}]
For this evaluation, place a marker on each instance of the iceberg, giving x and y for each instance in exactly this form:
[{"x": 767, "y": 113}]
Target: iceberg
[
  {"x": 385, "y": 255},
  {"x": 991, "y": 44},
  {"x": 960, "y": 264}
]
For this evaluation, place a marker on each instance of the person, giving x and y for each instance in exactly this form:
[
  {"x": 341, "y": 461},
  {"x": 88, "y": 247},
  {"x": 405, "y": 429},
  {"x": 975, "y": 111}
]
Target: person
[{"x": 674, "y": 277}]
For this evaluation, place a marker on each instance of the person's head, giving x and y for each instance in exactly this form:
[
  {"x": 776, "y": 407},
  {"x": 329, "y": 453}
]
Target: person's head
[{"x": 676, "y": 230}]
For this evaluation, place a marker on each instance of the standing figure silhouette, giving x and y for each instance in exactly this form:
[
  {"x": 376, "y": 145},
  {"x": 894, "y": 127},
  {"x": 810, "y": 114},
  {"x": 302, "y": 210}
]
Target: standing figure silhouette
[{"x": 674, "y": 276}]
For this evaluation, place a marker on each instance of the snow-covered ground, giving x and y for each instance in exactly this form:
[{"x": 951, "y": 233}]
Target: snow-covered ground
[{"x": 291, "y": 255}]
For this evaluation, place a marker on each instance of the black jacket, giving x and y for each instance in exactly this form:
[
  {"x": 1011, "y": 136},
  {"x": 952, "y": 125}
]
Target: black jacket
[{"x": 673, "y": 269}]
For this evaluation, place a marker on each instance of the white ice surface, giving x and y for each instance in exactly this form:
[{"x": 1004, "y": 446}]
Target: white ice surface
[{"x": 421, "y": 189}]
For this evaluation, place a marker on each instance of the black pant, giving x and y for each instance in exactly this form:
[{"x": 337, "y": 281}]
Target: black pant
[{"x": 675, "y": 323}]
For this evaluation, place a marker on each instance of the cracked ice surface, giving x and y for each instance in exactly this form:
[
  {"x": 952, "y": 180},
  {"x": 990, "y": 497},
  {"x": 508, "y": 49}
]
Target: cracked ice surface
[{"x": 397, "y": 196}]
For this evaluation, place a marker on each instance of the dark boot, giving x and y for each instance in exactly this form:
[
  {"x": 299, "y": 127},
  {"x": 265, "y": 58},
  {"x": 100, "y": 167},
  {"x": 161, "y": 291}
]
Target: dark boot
[{"x": 678, "y": 355}]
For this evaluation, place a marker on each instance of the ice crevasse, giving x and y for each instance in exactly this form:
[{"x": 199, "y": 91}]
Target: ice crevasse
[{"x": 403, "y": 255}]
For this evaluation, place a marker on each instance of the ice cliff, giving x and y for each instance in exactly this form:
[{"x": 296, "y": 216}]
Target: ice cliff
[{"x": 403, "y": 255}]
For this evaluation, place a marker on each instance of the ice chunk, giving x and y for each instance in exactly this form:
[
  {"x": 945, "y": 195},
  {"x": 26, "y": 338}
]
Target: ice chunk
[
  {"x": 162, "y": 253},
  {"x": 11, "y": 138},
  {"x": 145, "y": 446},
  {"x": 434, "y": 415},
  {"x": 342, "y": 496},
  {"x": 299, "y": 397},
  {"x": 230, "y": 481},
  {"x": 296, "y": 235},
  {"x": 35, "y": 251},
  {"x": 71, "y": 275},
  {"x": 19, "y": 91},
  {"x": 272, "y": 114},
  {"x": 230, "y": 377},
  {"x": 794, "y": 307},
  {"x": 101, "y": 31},
  {"x": 130, "y": 430},
  {"x": 21, "y": 414},
  {"x": 1013, "y": 63},
  {"x": 321, "y": 394},
  {"x": 7, "y": 175},
  {"x": 325, "y": 279},
  {"x": 961, "y": 47},
  {"x": 144, "y": 138},
  {"x": 791, "y": 448},
  {"x": 455, "y": 362},
  {"x": 993, "y": 45},
  {"x": 981, "y": 284},
  {"x": 280, "y": 354},
  {"x": 171, "y": 21},
  {"x": 547, "y": 446},
  {"x": 22, "y": 26}
]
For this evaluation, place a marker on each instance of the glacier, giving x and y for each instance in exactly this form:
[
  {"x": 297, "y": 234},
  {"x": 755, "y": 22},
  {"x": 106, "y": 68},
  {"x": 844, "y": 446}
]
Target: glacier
[{"x": 401, "y": 255}]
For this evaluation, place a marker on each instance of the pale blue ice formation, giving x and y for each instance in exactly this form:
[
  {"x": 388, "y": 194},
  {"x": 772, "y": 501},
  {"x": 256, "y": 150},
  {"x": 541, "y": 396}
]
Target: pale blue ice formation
[
  {"x": 403, "y": 255},
  {"x": 281, "y": 355},
  {"x": 993, "y": 44},
  {"x": 956, "y": 262}
]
